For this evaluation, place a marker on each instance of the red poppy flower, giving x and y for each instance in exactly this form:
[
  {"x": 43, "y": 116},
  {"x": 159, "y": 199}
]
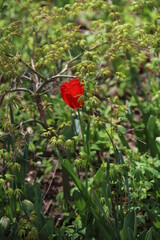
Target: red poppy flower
[{"x": 72, "y": 92}]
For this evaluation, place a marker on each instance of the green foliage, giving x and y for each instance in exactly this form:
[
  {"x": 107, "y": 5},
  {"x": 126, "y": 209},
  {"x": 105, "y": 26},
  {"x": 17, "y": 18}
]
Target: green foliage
[{"x": 109, "y": 149}]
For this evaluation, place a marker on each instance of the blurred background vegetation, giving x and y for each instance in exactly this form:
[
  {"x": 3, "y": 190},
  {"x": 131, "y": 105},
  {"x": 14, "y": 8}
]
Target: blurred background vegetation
[{"x": 50, "y": 186}]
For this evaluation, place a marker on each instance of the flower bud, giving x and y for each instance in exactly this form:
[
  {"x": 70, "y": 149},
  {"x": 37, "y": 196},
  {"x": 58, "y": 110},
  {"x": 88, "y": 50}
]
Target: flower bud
[
  {"x": 5, "y": 223},
  {"x": 69, "y": 143},
  {"x": 28, "y": 205},
  {"x": 59, "y": 141}
]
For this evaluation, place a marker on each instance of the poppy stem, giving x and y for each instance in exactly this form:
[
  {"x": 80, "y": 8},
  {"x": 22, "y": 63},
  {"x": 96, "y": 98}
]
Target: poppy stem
[
  {"x": 85, "y": 147},
  {"x": 114, "y": 148},
  {"x": 82, "y": 129}
]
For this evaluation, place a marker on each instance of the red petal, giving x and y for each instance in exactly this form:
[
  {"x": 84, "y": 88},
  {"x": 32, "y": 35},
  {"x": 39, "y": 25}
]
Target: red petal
[{"x": 71, "y": 91}]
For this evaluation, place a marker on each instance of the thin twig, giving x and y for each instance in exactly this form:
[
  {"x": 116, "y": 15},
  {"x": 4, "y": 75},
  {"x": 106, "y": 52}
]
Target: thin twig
[
  {"x": 48, "y": 206},
  {"x": 51, "y": 80},
  {"x": 22, "y": 123},
  {"x": 26, "y": 77},
  {"x": 29, "y": 121},
  {"x": 20, "y": 90},
  {"x": 113, "y": 145},
  {"x": 32, "y": 69},
  {"x": 15, "y": 90},
  {"x": 33, "y": 66},
  {"x": 98, "y": 74},
  {"x": 61, "y": 73},
  {"x": 53, "y": 176}
]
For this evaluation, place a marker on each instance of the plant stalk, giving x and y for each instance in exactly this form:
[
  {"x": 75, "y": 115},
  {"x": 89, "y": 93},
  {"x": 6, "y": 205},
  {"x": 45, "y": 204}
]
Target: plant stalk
[{"x": 85, "y": 148}]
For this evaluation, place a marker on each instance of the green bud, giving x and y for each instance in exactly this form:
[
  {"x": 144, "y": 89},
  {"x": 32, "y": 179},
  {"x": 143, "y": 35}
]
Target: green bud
[
  {"x": 5, "y": 223},
  {"x": 158, "y": 140},
  {"x": 69, "y": 143},
  {"x": 59, "y": 141},
  {"x": 84, "y": 155},
  {"x": 28, "y": 205},
  {"x": 94, "y": 100},
  {"x": 121, "y": 130},
  {"x": 77, "y": 138},
  {"x": 46, "y": 62},
  {"x": 2, "y": 181},
  {"x": 89, "y": 94},
  {"x": 62, "y": 137},
  {"x": 53, "y": 141},
  {"x": 100, "y": 123}
]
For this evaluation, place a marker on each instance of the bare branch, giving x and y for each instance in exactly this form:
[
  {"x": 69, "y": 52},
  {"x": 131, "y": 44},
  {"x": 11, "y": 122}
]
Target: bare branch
[
  {"x": 32, "y": 69},
  {"x": 61, "y": 73},
  {"x": 22, "y": 123},
  {"x": 33, "y": 66},
  {"x": 15, "y": 90},
  {"x": 53, "y": 176},
  {"x": 21, "y": 90},
  {"x": 29, "y": 121},
  {"x": 26, "y": 77},
  {"x": 41, "y": 111},
  {"x": 49, "y": 80}
]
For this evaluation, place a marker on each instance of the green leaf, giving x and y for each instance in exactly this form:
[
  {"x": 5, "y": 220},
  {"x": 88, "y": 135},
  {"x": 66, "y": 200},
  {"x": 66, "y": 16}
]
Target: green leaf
[
  {"x": 79, "y": 201},
  {"x": 149, "y": 235},
  {"x": 2, "y": 182},
  {"x": 152, "y": 128},
  {"x": 2, "y": 235},
  {"x": 47, "y": 230},
  {"x": 13, "y": 232},
  {"x": 32, "y": 146},
  {"x": 102, "y": 226},
  {"x": 142, "y": 235},
  {"x": 28, "y": 206},
  {"x": 99, "y": 176},
  {"x": 108, "y": 224},
  {"x": 129, "y": 234},
  {"x": 156, "y": 224},
  {"x": 68, "y": 166},
  {"x": 130, "y": 222},
  {"x": 121, "y": 130},
  {"x": 121, "y": 160},
  {"x": 9, "y": 176}
]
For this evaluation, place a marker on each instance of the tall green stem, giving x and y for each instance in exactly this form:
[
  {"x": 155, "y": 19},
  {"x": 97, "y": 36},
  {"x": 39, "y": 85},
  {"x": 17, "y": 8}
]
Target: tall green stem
[
  {"x": 82, "y": 130},
  {"x": 85, "y": 148},
  {"x": 114, "y": 148}
]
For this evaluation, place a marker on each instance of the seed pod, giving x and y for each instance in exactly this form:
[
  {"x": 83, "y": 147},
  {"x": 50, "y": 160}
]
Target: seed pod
[
  {"x": 28, "y": 205},
  {"x": 5, "y": 223}
]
